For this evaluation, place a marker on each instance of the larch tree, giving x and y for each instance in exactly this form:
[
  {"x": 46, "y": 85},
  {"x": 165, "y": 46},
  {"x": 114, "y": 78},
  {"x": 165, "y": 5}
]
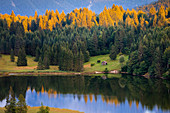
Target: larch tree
[{"x": 152, "y": 12}]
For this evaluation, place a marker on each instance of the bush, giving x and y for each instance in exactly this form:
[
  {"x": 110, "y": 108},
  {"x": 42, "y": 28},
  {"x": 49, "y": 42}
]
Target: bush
[
  {"x": 0, "y": 55},
  {"x": 43, "y": 110},
  {"x": 106, "y": 70},
  {"x": 98, "y": 61},
  {"x": 92, "y": 64},
  {"x": 121, "y": 59}
]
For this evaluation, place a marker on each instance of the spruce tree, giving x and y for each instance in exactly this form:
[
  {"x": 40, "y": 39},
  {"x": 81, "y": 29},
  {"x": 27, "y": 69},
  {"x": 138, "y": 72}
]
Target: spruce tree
[
  {"x": 11, "y": 102},
  {"x": 40, "y": 64},
  {"x": 37, "y": 55},
  {"x": 21, "y": 105},
  {"x": 81, "y": 61},
  {"x": 69, "y": 60},
  {"x": 12, "y": 56},
  {"x": 22, "y": 61},
  {"x": 55, "y": 62},
  {"x": 46, "y": 60},
  {"x": 75, "y": 62},
  {"x": 42, "y": 110},
  {"x": 113, "y": 53},
  {"x": 86, "y": 56},
  {"x": 158, "y": 62}
]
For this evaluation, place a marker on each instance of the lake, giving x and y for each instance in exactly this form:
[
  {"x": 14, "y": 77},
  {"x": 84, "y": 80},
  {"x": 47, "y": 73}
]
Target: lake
[{"x": 91, "y": 94}]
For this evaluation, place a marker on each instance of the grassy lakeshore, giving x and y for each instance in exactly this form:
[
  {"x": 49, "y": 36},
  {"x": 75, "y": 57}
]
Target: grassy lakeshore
[
  {"x": 7, "y": 66},
  {"x": 52, "y": 110}
]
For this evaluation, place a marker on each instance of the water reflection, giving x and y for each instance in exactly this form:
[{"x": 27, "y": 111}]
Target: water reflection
[{"x": 91, "y": 94}]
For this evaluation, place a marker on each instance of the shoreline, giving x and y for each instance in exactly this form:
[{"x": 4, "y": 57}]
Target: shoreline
[
  {"x": 52, "y": 109},
  {"x": 5, "y": 74},
  {"x": 56, "y": 73}
]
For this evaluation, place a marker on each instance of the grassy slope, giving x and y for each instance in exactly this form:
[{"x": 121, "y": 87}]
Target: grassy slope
[
  {"x": 52, "y": 110},
  {"x": 112, "y": 64},
  {"x": 7, "y": 66}
]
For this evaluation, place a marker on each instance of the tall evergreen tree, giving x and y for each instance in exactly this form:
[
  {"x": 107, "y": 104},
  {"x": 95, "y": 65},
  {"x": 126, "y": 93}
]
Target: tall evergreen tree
[
  {"x": 158, "y": 62},
  {"x": 21, "y": 105},
  {"x": 37, "y": 55},
  {"x": 113, "y": 53},
  {"x": 22, "y": 61},
  {"x": 46, "y": 60},
  {"x": 12, "y": 57},
  {"x": 10, "y": 102},
  {"x": 86, "y": 56},
  {"x": 81, "y": 61},
  {"x": 95, "y": 43},
  {"x": 42, "y": 110},
  {"x": 40, "y": 64}
]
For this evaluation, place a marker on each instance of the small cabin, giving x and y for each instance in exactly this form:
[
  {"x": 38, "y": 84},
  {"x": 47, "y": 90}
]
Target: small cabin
[{"x": 104, "y": 63}]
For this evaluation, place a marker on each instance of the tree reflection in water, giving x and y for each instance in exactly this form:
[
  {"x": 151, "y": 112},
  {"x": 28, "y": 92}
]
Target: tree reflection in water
[{"x": 134, "y": 89}]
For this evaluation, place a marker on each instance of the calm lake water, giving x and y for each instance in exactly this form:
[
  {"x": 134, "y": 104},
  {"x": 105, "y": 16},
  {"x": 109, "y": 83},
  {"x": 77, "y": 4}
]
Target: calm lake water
[{"x": 126, "y": 94}]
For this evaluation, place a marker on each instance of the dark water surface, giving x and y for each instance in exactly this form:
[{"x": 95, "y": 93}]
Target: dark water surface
[{"x": 127, "y": 94}]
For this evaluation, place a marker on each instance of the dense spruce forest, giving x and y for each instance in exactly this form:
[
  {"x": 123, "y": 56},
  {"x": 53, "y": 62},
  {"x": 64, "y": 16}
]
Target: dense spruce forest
[{"x": 69, "y": 40}]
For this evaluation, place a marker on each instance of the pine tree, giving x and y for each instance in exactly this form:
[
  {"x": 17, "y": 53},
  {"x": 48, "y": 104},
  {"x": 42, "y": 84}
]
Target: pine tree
[
  {"x": 37, "y": 55},
  {"x": 10, "y": 102},
  {"x": 86, "y": 56},
  {"x": 75, "y": 62},
  {"x": 46, "y": 61},
  {"x": 21, "y": 105},
  {"x": 40, "y": 64},
  {"x": 95, "y": 43},
  {"x": 12, "y": 56},
  {"x": 113, "y": 53},
  {"x": 22, "y": 61},
  {"x": 70, "y": 60},
  {"x": 158, "y": 62},
  {"x": 55, "y": 62},
  {"x": 81, "y": 61}
]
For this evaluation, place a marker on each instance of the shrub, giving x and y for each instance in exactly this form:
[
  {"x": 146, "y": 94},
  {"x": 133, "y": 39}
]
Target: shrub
[
  {"x": 98, "y": 61},
  {"x": 106, "y": 70},
  {"x": 92, "y": 64},
  {"x": 121, "y": 59},
  {"x": 43, "y": 110}
]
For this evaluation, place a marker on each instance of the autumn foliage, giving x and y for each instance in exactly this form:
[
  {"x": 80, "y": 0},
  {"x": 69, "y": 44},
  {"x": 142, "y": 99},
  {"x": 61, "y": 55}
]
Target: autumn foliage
[{"x": 86, "y": 18}]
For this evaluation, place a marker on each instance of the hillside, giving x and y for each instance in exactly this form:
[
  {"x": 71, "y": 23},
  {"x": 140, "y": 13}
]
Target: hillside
[
  {"x": 157, "y": 5},
  {"x": 7, "y": 66},
  {"x": 70, "y": 40}
]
